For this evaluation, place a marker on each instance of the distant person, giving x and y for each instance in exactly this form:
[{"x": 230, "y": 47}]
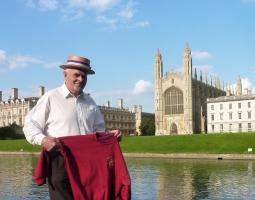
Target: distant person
[{"x": 64, "y": 111}]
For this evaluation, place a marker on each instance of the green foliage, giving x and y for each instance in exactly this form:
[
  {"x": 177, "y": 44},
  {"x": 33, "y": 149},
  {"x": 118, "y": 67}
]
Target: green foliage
[
  {"x": 12, "y": 131},
  {"x": 147, "y": 126}
]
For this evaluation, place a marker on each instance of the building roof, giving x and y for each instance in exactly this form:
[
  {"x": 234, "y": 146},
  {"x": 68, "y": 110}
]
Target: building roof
[
  {"x": 231, "y": 98},
  {"x": 114, "y": 109}
]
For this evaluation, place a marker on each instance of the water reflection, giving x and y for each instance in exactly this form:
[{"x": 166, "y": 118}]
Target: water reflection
[
  {"x": 16, "y": 179},
  {"x": 162, "y": 179},
  {"x": 192, "y": 179}
]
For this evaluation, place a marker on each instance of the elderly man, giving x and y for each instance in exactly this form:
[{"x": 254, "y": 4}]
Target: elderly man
[{"x": 64, "y": 111}]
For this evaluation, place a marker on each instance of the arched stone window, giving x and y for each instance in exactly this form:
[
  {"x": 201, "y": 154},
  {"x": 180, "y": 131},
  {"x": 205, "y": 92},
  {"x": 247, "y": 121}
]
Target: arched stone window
[{"x": 173, "y": 101}]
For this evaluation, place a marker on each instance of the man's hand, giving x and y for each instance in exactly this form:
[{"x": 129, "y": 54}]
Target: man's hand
[
  {"x": 50, "y": 143},
  {"x": 116, "y": 133}
]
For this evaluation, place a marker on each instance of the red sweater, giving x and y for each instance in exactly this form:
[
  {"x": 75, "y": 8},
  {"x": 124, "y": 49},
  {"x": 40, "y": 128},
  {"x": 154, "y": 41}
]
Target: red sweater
[{"x": 95, "y": 166}]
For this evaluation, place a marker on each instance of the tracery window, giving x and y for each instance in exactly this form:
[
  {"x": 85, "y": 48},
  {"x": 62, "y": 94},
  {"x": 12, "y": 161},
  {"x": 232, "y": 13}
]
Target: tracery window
[{"x": 173, "y": 101}]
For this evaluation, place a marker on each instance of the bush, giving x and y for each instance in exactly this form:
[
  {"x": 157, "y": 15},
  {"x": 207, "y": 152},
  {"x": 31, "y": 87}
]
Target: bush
[
  {"x": 12, "y": 131},
  {"x": 147, "y": 126}
]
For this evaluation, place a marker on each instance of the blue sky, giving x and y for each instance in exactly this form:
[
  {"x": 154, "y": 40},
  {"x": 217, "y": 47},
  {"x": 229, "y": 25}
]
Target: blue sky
[{"x": 121, "y": 38}]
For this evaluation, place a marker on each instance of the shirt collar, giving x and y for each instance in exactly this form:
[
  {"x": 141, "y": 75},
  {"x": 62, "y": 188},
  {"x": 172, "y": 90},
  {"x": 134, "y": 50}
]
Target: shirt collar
[{"x": 66, "y": 93}]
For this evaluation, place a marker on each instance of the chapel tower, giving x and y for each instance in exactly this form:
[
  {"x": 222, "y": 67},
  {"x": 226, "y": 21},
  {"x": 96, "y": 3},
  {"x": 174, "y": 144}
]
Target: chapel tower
[
  {"x": 188, "y": 101},
  {"x": 158, "y": 71}
]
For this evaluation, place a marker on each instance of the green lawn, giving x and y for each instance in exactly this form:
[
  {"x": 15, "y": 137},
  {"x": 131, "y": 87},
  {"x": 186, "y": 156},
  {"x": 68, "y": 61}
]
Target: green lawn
[
  {"x": 18, "y": 145},
  {"x": 210, "y": 143},
  {"x": 199, "y": 143}
]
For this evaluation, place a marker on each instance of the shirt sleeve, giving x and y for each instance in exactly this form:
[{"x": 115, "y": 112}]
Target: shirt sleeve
[
  {"x": 99, "y": 125},
  {"x": 35, "y": 121}
]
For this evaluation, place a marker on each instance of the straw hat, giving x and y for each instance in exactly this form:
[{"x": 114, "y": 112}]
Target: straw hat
[{"x": 78, "y": 62}]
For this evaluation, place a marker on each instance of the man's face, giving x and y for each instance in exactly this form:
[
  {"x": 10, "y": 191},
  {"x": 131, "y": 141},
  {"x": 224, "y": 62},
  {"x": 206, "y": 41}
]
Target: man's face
[{"x": 75, "y": 80}]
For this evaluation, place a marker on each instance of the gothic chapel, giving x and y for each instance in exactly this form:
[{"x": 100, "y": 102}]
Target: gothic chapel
[{"x": 180, "y": 98}]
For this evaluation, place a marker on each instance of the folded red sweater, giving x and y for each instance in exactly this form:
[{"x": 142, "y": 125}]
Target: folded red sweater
[{"x": 95, "y": 166}]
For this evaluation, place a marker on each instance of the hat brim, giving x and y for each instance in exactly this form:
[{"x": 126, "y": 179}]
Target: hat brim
[{"x": 88, "y": 71}]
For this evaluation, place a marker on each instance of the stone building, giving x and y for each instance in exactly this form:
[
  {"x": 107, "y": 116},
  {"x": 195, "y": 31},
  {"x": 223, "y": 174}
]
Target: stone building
[
  {"x": 139, "y": 115},
  {"x": 119, "y": 118},
  {"x": 232, "y": 113},
  {"x": 180, "y": 98},
  {"x": 15, "y": 109}
]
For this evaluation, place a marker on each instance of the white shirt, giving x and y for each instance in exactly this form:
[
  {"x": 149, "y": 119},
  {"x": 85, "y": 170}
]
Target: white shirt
[{"x": 58, "y": 113}]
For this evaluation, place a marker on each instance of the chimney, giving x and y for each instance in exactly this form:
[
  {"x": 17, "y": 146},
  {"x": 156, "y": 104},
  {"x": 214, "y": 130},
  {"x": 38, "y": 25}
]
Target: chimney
[
  {"x": 140, "y": 108},
  {"x": 228, "y": 93},
  {"x": 14, "y": 93},
  {"x": 134, "y": 108},
  {"x": 108, "y": 104},
  {"x": 1, "y": 96},
  {"x": 41, "y": 91},
  {"x": 120, "y": 103},
  {"x": 246, "y": 91}
]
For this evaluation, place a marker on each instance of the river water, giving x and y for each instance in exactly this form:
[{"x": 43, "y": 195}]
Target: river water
[{"x": 152, "y": 179}]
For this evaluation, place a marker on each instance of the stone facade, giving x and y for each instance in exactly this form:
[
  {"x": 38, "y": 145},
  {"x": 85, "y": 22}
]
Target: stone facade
[
  {"x": 232, "y": 113},
  {"x": 139, "y": 115},
  {"x": 180, "y": 98},
  {"x": 14, "y": 110},
  {"x": 119, "y": 118}
]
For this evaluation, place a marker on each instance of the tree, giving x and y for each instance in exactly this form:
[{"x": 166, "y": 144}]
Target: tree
[
  {"x": 12, "y": 131},
  {"x": 147, "y": 126}
]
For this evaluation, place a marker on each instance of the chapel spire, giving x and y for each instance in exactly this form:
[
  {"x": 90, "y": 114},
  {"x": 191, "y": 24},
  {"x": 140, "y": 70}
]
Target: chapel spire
[{"x": 239, "y": 86}]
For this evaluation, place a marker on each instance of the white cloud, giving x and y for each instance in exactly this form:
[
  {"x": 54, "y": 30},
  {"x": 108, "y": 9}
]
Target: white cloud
[
  {"x": 110, "y": 23},
  {"x": 77, "y": 3},
  {"x": 102, "y": 5},
  {"x": 201, "y": 55},
  {"x": 21, "y": 61},
  {"x": 111, "y": 14},
  {"x": 129, "y": 11},
  {"x": 114, "y": 23},
  {"x": 96, "y": 5},
  {"x": 142, "y": 87},
  {"x": 46, "y": 5},
  {"x": 247, "y": 84},
  {"x": 142, "y": 24}
]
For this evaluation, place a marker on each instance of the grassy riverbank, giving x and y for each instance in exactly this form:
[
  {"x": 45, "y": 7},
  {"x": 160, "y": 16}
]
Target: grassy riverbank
[
  {"x": 210, "y": 143},
  {"x": 18, "y": 145},
  {"x": 200, "y": 143}
]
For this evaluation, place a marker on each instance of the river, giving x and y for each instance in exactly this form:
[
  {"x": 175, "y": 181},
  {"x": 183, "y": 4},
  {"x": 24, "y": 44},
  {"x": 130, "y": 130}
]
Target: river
[{"x": 152, "y": 179}]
